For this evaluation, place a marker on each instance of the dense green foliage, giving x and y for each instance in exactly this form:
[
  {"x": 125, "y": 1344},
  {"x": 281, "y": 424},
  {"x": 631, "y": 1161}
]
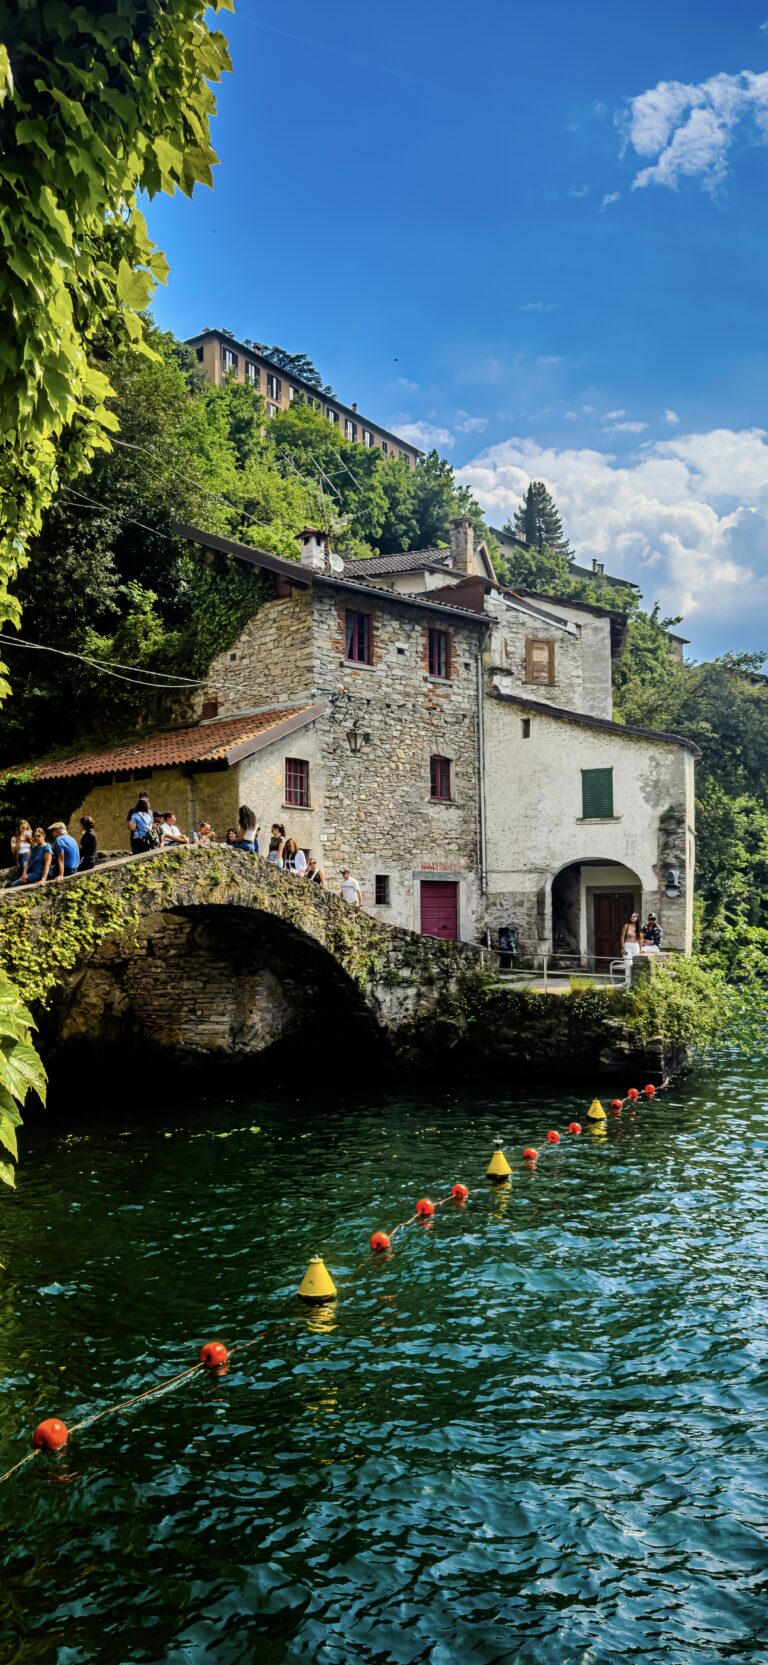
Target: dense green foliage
[
  {"x": 21, "y": 1072},
  {"x": 97, "y": 103},
  {"x": 108, "y": 580},
  {"x": 686, "y": 1003}
]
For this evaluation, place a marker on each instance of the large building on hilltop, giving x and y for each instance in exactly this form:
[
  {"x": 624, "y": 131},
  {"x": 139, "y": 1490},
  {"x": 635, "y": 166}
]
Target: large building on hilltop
[
  {"x": 220, "y": 355},
  {"x": 449, "y": 740}
]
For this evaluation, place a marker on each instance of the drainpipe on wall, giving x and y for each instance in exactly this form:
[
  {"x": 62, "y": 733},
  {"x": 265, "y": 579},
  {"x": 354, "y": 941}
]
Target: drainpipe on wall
[{"x": 482, "y": 850}]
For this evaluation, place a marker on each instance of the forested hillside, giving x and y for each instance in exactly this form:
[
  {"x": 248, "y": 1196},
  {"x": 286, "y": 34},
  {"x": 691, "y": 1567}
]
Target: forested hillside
[{"x": 106, "y": 580}]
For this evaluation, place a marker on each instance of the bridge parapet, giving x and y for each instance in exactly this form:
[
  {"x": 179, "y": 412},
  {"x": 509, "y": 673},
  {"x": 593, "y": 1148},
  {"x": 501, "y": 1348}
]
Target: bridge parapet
[{"x": 214, "y": 950}]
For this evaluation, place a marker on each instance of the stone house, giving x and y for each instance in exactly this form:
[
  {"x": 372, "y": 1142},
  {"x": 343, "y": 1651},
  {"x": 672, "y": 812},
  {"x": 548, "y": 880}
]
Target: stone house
[{"x": 450, "y": 741}]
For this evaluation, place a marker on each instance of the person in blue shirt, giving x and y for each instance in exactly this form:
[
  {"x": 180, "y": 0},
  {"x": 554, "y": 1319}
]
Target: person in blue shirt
[
  {"x": 38, "y": 861},
  {"x": 66, "y": 855}
]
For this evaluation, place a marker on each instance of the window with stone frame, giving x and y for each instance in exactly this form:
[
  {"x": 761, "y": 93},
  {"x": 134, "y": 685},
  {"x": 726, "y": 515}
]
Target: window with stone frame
[
  {"x": 381, "y": 890},
  {"x": 440, "y": 779},
  {"x": 297, "y": 782},
  {"x": 358, "y": 637},
  {"x": 539, "y": 659},
  {"x": 439, "y": 654}
]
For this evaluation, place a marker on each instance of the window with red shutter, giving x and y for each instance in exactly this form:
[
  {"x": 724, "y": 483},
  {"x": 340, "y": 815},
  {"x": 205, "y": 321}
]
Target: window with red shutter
[
  {"x": 440, "y": 778},
  {"x": 297, "y": 782},
  {"x": 440, "y": 654},
  {"x": 358, "y": 637}
]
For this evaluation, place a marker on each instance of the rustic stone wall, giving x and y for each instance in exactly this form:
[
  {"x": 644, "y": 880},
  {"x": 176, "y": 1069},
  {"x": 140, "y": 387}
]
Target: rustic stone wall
[
  {"x": 506, "y": 652},
  {"x": 378, "y": 815},
  {"x": 269, "y": 664}
]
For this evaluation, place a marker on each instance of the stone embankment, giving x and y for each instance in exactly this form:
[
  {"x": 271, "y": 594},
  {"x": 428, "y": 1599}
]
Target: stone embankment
[{"x": 209, "y": 954}]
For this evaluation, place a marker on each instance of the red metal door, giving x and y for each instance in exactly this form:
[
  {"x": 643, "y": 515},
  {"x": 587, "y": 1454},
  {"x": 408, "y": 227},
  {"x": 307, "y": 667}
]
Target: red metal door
[{"x": 439, "y": 908}]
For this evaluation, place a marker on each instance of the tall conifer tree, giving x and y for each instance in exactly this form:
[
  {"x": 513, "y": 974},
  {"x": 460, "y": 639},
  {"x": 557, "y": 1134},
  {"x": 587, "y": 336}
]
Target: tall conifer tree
[{"x": 539, "y": 522}]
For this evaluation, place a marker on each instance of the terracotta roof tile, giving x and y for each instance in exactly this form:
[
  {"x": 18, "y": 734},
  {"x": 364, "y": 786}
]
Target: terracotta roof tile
[{"x": 205, "y": 743}]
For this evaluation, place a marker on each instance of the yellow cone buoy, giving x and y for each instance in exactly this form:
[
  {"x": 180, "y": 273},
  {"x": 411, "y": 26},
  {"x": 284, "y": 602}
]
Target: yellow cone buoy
[
  {"x": 498, "y": 1168},
  {"x": 317, "y": 1283},
  {"x": 599, "y": 1130},
  {"x": 596, "y": 1112}
]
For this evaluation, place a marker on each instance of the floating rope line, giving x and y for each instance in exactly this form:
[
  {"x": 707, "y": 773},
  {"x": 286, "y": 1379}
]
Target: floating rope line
[{"x": 52, "y": 1435}]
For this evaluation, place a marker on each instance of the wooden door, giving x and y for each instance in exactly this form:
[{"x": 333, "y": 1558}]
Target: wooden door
[
  {"x": 612, "y": 910},
  {"x": 439, "y": 908}
]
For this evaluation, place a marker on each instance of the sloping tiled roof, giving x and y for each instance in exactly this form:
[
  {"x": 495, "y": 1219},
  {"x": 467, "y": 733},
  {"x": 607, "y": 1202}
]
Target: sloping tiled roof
[
  {"x": 221, "y": 742},
  {"x": 406, "y": 560}
]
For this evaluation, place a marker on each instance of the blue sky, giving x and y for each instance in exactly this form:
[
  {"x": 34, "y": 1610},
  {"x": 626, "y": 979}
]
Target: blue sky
[{"x": 536, "y": 237}]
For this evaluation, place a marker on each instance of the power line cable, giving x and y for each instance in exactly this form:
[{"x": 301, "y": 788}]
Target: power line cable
[{"x": 110, "y": 667}]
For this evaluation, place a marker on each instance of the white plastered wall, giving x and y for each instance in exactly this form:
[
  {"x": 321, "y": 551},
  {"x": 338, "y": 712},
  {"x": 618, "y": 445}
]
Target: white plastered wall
[{"x": 535, "y": 827}]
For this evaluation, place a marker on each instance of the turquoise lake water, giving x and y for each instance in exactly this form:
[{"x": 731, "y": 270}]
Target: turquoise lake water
[{"x": 537, "y": 1433}]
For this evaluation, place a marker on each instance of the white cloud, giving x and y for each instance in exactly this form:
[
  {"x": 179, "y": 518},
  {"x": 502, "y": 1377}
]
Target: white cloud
[
  {"x": 613, "y": 415},
  {"x": 689, "y": 128},
  {"x": 571, "y": 416},
  {"x": 579, "y": 191},
  {"x": 409, "y": 387},
  {"x": 589, "y": 410},
  {"x": 671, "y": 417},
  {"x": 470, "y": 424},
  {"x": 549, "y": 358},
  {"x": 539, "y": 306},
  {"x": 425, "y": 435},
  {"x": 687, "y": 517},
  {"x": 626, "y": 427},
  {"x": 610, "y": 196}
]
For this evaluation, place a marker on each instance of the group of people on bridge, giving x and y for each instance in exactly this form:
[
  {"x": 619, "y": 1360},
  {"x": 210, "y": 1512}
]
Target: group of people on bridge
[{"x": 53, "y": 853}]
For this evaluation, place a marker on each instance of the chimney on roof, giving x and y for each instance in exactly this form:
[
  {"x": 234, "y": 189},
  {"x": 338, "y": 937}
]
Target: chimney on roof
[
  {"x": 462, "y": 545},
  {"x": 598, "y": 567},
  {"x": 313, "y": 544},
  {"x": 354, "y": 407}
]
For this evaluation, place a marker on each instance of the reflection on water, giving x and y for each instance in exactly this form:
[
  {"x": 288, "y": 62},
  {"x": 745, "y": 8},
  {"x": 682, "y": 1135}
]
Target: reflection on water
[{"x": 535, "y": 1432}]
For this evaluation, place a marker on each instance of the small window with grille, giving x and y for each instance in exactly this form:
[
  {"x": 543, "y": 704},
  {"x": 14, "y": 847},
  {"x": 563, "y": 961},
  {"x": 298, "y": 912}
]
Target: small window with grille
[{"x": 297, "y": 782}]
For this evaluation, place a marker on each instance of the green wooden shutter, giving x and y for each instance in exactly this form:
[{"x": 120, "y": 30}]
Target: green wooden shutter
[{"x": 596, "y": 794}]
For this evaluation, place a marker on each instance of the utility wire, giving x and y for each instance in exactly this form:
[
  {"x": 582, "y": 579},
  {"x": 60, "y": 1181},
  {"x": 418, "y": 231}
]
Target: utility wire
[{"x": 108, "y": 666}]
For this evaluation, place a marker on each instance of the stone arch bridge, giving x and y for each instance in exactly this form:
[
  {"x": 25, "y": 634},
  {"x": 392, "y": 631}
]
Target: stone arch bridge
[{"x": 212, "y": 953}]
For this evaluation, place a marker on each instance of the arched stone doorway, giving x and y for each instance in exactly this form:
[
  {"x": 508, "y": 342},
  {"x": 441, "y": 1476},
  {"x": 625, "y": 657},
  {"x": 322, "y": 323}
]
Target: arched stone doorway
[{"x": 591, "y": 901}]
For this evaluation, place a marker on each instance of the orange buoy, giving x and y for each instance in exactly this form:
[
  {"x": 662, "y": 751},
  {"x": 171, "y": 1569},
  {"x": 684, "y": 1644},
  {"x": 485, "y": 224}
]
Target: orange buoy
[
  {"x": 574, "y": 1127},
  {"x": 553, "y": 1138},
  {"x": 380, "y": 1241},
  {"x": 649, "y": 1091},
  {"x": 213, "y": 1353},
  {"x": 459, "y": 1193},
  {"x": 425, "y": 1208},
  {"x": 633, "y": 1095},
  {"x": 616, "y": 1103},
  {"x": 51, "y": 1434},
  {"x": 529, "y": 1154}
]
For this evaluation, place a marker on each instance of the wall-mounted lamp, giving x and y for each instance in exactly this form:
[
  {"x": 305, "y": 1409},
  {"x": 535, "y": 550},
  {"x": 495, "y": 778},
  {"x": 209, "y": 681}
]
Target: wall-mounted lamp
[{"x": 357, "y": 738}]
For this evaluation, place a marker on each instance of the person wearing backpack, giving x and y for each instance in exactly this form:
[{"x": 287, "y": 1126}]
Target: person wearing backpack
[{"x": 144, "y": 835}]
